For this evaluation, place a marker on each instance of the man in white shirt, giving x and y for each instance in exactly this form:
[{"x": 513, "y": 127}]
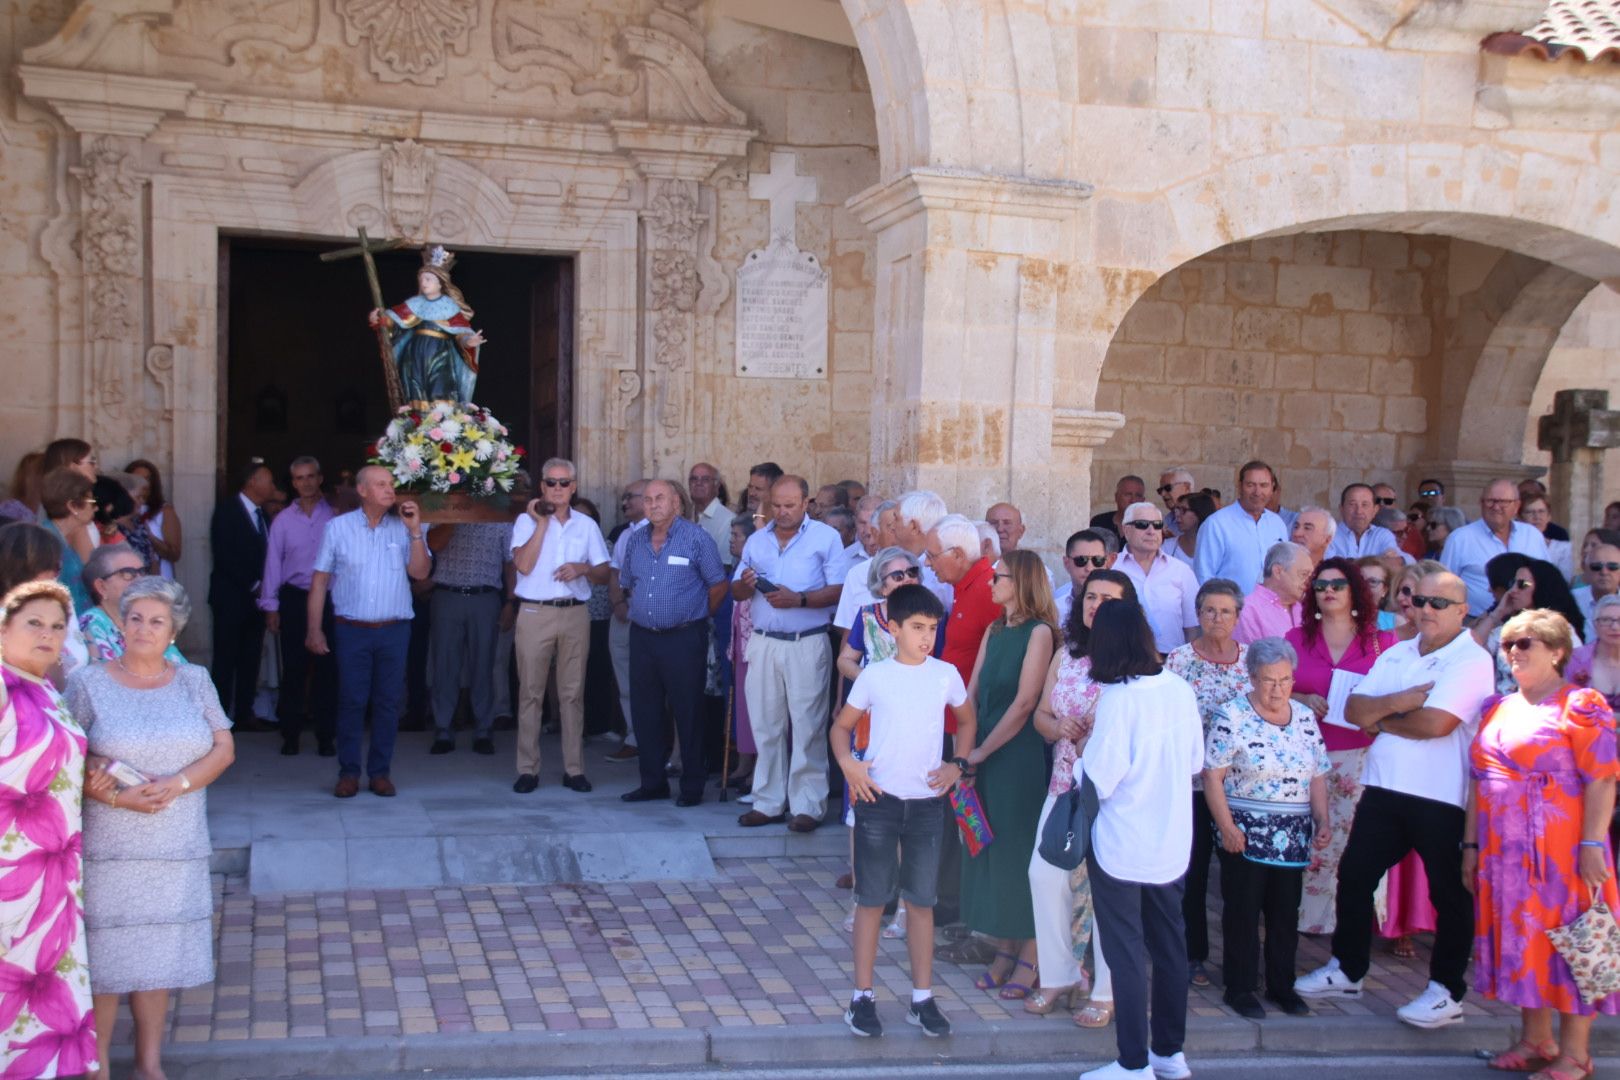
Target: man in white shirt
[
  {"x": 703, "y": 484},
  {"x": 1173, "y": 484},
  {"x": 1087, "y": 550},
  {"x": 919, "y": 512},
  {"x": 875, "y": 520},
  {"x": 1313, "y": 530},
  {"x": 1358, "y": 505},
  {"x": 1421, "y": 702},
  {"x": 1233, "y": 541},
  {"x": 1498, "y": 530},
  {"x": 1165, "y": 587}
]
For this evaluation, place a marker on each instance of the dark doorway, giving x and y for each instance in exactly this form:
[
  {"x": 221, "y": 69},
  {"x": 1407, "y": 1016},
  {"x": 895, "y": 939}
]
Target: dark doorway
[{"x": 301, "y": 371}]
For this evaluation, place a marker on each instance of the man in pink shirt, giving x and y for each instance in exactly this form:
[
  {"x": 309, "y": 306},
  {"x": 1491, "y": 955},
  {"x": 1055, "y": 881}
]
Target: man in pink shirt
[{"x": 1272, "y": 609}]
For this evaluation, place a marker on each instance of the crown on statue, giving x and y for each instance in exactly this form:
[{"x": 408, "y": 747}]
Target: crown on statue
[{"x": 438, "y": 258}]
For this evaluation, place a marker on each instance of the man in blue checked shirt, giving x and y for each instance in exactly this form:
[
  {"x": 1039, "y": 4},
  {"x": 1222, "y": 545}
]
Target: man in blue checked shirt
[{"x": 672, "y": 578}]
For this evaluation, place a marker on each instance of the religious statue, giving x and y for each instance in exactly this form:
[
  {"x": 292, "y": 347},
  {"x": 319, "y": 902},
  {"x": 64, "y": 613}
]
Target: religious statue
[{"x": 434, "y": 345}]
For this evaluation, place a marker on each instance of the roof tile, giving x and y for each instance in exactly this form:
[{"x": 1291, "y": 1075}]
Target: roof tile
[{"x": 1587, "y": 30}]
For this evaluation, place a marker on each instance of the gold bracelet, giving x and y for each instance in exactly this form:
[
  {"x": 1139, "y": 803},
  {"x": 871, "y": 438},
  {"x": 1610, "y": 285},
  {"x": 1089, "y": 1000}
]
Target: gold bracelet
[{"x": 114, "y": 802}]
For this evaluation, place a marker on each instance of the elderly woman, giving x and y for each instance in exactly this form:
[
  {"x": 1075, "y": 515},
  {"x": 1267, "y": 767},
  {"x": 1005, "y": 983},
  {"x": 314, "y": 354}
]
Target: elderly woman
[
  {"x": 1534, "y": 848},
  {"x": 1011, "y": 760},
  {"x": 1213, "y": 665},
  {"x": 1265, "y": 779},
  {"x": 1061, "y": 898},
  {"x": 1339, "y": 633},
  {"x": 1190, "y": 511},
  {"x": 30, "y": 552},
  {"x": 1597, "y": 664},
  {"x": 69, "y": 511},
  {"x": 107, "y": 573},
  {"x": 45, "y": 995},
  {"x": 1443, "y": 521},
  {"x": 148, "y": 904}
]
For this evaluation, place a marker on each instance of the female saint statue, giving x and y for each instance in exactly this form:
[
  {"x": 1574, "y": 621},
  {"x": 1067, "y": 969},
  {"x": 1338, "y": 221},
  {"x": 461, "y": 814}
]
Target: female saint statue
[{"x": 432, "y": 337}]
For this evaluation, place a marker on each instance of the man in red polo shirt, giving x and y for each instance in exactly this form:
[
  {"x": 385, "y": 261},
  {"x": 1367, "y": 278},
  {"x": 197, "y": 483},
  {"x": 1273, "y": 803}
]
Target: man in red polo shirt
[{"x": 953, "y": 553}]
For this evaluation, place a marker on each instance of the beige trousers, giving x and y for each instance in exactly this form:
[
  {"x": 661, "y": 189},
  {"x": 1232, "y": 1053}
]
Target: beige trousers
[
  {"x": 543, "y": 633},
  {"x": 789, "y": 691}
]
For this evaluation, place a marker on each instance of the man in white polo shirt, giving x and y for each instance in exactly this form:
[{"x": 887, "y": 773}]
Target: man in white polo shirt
[
  {"x": 1166, "y": 587},
  {"x": 1421, "y": 703},
  {"x": 1498, "y": 530}
]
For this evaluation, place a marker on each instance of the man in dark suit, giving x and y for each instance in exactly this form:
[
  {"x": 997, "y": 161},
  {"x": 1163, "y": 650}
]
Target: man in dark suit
[{"x": 237, "y": 538}]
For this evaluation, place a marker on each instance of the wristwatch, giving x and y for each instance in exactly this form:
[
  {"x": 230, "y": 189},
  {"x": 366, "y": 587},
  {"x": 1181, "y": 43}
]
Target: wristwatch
[{"x": 962, "y": 764}]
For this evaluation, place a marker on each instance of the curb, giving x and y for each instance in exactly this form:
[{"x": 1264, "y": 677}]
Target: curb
[{"x": 804, "y": 1045}]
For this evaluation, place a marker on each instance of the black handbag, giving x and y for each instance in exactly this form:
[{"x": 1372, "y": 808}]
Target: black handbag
[{"x": 1066, "y": 837}]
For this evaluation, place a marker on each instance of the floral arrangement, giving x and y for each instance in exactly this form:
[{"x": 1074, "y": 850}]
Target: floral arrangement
[{"x": 449, "y": 447}]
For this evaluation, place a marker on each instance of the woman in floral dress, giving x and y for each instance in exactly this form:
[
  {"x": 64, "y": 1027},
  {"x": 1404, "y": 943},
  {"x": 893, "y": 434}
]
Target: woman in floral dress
[
  {"x": 45, "y": 1004},
  {"x": 1535, "y": 852}
]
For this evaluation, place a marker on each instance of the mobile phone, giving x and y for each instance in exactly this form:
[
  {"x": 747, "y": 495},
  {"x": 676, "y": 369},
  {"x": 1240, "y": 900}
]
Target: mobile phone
[{"x": 765, "y": 586}]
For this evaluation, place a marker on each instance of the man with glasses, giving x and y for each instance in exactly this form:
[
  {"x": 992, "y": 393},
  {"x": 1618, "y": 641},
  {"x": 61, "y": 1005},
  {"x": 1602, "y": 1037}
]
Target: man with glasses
[
  {"x": 1421, "y": 703},
  {"x": 289, "y": 565},
  {"x": 1385, "y": 495},
  {"x": 1273, "y": 608},
  {"x": 1173, "y": 484},
  {"x": 1233, "y": 541},
  {"x": 1165, "y": 587},
  {"x": 1530, "y": 490},
  {"x": 558, "y": 556},
  {"x": 1432, "y": 492},
  {"x": 1358, "y": 505},
  {"x": 1498, "y": 530},
  {"x": 1601, "y": 572},
  {"x": 703, "y": 484},
  {"x": 1087, "y": 550}
]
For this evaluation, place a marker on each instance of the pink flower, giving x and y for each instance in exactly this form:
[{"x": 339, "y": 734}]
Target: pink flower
[
  {"x": 53, "y": 869},
  {"x": 455, "y": 478},
  {"x": 436, "y": 434},
  {"x": 72, "y": 1046}
]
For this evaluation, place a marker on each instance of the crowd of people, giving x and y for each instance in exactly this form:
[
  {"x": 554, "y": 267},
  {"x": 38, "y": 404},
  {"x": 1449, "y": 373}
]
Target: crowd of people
[{"x": 1352, "y": 712}]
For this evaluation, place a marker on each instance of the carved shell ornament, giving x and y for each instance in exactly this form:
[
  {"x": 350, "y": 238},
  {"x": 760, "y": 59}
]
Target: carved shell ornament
[{"x": 409, "y": 39}]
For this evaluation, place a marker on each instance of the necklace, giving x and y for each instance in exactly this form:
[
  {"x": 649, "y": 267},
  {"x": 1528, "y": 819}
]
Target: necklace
[{"x": 138, "y": 675}]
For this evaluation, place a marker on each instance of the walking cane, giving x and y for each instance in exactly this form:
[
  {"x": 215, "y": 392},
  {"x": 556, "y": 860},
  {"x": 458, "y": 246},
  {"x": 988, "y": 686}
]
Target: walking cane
[{"x": 725, "y": 753}]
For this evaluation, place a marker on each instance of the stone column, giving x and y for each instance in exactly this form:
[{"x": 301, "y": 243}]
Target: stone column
[
  {"x": 970, "y": 343},
  {"x": 1577, "y": 431}
]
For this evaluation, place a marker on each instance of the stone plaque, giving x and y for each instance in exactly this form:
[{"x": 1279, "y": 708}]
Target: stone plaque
[{"x": 782, "y": 314}]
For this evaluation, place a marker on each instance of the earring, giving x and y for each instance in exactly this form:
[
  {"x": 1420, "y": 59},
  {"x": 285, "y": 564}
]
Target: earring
[
  {"x": 1354, "y": 613},
  {"x": 1318, "y": 616}
]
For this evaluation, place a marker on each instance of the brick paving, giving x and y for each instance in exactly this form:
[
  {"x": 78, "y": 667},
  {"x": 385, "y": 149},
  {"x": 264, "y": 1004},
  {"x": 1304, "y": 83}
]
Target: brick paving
[{"x": 760, "y": 945}]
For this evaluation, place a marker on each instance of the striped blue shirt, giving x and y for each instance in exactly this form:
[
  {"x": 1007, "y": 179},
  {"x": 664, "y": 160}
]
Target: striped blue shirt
[
  {"x": 368, "y": 567},
  {"x": 670, "y": 587}
]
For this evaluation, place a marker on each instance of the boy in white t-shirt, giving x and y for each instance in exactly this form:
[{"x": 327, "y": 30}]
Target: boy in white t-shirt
[{"x": 897, "y": 792}]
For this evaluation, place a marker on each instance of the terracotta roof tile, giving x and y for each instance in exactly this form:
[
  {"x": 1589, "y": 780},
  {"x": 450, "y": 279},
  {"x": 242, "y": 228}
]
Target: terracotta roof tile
[{"x": 1587, "y": 30}]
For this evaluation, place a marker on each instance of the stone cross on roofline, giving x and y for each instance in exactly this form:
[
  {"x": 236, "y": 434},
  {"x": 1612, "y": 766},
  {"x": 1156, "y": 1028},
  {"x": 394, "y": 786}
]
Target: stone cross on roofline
[
  {"x": 784, "y": 189},
  {"x": 1577, "y": 431}
]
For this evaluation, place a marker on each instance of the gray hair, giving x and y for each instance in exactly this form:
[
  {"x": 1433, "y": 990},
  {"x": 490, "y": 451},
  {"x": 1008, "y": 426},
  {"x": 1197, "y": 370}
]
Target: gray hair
[
  {"x": 559, "y": 463},
  {"x": 1181, "y": 475},
  {"x": 884, "y": 507},
  {"x": 1451, "y": 517},
  {"x": 158, "y": 588},
  {"x": 745, "y": 522},
  {"x": 100, "y": 562},
  {"x": 1610, "y": 601},
  {"x": 1268, "y": 651},
  {"x": 1327, "y": 515},
  {"x": 874, "y": 570},
  {"x": 923, "y": 507},
  {"x": 1219, "y": 586},
  {"x": 988, "y": 532},
  {"x": 304, "y": 459},
  {"x": 956, "y": 531},
  {"x": 1282, "y": 554},
  {"x": 833, "y": 515}
]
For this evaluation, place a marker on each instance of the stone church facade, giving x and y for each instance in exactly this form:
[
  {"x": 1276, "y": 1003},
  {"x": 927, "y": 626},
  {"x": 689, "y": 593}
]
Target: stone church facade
[{"x": 1064, "y": 240}]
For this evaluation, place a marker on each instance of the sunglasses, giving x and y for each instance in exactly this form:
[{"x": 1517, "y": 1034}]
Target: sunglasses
[
  {"x": 1384, "y": 502},
  {"x": 1414, "y": 518},
  {"x": 128, "y": 573},
  {"x": 1431, "y": 526},
  {"x": 1519, "y": 644},
  {"x": 553, "y": 482},
  {"x": 1324, "y": 584},
  {"x": 1439, "y": 603},
  {"x": 1165, "y": 489},
  {"x": 1522, "y": 583},
  {"x": 1098, "y": 561},
  {"x": 1599, "y": 567},
  {"x": 1000, "y": 577},
  {"x": 1145, "y": 524},
  {"x": 1429, "y": 493},
  {"x": 900, "y": 575},
  {"x": 1406, "y": 590}
]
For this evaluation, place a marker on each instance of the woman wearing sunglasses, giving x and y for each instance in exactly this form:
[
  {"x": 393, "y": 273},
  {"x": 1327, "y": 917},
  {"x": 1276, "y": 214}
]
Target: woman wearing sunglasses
[
  {"x": 1406, "y": 584},
  {"x": 1338, "y": 632},
  {"x": 107, "y": 574},
  {"x": 1519, "y": 584}
]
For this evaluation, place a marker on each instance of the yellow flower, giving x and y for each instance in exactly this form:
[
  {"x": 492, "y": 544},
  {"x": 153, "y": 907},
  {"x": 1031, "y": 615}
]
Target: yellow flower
[{"x": 460, "y": 460}]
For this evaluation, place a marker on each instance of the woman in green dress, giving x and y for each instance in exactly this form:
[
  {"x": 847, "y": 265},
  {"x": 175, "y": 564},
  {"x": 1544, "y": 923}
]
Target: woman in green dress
[{"x": 1011, "y": 768}]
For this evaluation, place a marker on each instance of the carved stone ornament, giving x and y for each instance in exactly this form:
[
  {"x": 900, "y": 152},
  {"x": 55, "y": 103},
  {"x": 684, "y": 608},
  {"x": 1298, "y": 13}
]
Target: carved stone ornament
[
  {"x": 408, "y": 169},
  {"x": 625, "y": 390},
  {"x": 672, "y": 216},
  {"x": 408, "y": 40},
  {"x": 675, "y": 281},
  {"x": 110, "y": 240}
]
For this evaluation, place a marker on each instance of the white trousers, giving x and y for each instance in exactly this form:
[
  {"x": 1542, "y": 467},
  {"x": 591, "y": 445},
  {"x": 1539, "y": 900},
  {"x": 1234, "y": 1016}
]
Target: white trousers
[
  {"x": 619, "y": 651},
  {"x": 1054, "y": 919},
  {"x": 789, "y": 689}
]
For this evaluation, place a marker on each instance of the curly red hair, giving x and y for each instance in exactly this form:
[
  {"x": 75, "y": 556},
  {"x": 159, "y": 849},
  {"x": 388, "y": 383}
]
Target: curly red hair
[{"x": 1364, "y": 611}]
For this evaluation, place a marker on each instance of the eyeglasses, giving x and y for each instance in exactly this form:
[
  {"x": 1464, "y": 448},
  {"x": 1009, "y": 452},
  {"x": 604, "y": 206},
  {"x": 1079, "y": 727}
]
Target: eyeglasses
[
  {"x": 1097, "y": 561},
  {"x": 1599, "y": 567},
  {"x": 1414, "y": 518},
  {"x": 1000, "y": 577},
  {"x": 553, "y": 482},
  {"x": 1429, "y": 493},
  {"x": 900, "y": 575},
  {"x": 1324, "y": 584},
  {"x": 1145, "y": 524},
  {"x": 128, "y": 573},
  {"x": 1384, "y": 501},
  {"x": 1439, "y": 603},
  {"x": 1498, "y": 502},
  {"x": 1606, "y": 623},
  {"x": 1374, "y": 582},
  {"x": 1165, "y": 489},
  {"x": 1523, "y": 644},
  {"x": 1523, "y": 583}
]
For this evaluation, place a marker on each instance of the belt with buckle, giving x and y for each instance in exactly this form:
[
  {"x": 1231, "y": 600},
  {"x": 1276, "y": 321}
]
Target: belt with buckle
[
  {"x": 670, "y": 629},
  {"x": 467, "y": 590},
  {"x": 570, "y": 602},
  {"x": 365, "y": 625},
  {"x": 789, "y": 635}
]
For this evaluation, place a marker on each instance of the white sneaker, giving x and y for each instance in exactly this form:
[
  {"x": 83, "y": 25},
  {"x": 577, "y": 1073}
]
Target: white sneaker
[
  {"x": 1115, "y": 1071},
  {"x": 1433, "y": 1008},
  {"x": 1173, "y": 1067},
  {"x": 746, "y": 800},
  {"x": 1327, "y": 981}
]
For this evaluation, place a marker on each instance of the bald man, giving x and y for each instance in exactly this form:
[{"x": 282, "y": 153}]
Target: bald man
[
  {"x": 1497, "y": 531},
  {"x": 1421, "y": 704},
  {"x": 1008, "y": 522},
  {"x": 1313, "y": 530}
]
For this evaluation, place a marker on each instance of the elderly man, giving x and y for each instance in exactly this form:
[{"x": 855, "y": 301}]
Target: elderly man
[
  {"x": 1421, "y": 702},
  {"x": 1359, "y": 536},
  {"x": 874, "y": 524},
  {"x": 1498, "y": 530},
  {"x": 784, "y": 575},
  {"x": 1086, "y": 551},
  {"x": 1165, "y": 587},
  {"x": 471, "y": 573},
  {"x": 1008, "y": 522},
  {"x": 1601, "y": 573},
  {"x": 633, "y": 510},
  {"x": 919, "y": 512},
  {"x": 703, "y": 484},
  {"x": 1173, "y": 484},
  {"x": 1233, "y": 541},
  {"x": 1273, "y": 608},
  {"x": 827, "y": 497},
  {"x": 1313, "y": 530},
  {"x": 1386, "y": 495},
  {"x": 1130, "y": 489},
  {"x": 368, "y": 557},
  {"x": 672, "y": 578},
  {"x": 854, "y": 489},
  {"x": 289, "y": 563}
]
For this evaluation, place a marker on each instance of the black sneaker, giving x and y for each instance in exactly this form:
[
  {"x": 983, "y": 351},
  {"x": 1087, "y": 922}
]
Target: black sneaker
[
  {"x": 926, "y": 1015},
  {"x": 862, "y": 1018}
]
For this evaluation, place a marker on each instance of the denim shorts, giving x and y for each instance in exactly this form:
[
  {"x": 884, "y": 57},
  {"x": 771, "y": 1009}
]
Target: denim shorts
[{"x": 897, "y": 843}]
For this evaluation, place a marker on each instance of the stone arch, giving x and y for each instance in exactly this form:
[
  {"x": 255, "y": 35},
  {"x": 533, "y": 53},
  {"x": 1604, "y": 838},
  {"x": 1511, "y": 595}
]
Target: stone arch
[{"x": 444, "y": 200}]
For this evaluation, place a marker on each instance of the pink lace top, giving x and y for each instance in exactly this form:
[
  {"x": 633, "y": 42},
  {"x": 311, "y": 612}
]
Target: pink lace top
[{"x": 1074, "y": 697}]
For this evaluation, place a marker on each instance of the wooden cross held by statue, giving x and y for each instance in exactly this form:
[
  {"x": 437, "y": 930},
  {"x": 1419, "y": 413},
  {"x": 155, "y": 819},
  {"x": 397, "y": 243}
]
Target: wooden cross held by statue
[
  {"x": 396, "y": 391},
  {"x": 1577, "y": 431}
]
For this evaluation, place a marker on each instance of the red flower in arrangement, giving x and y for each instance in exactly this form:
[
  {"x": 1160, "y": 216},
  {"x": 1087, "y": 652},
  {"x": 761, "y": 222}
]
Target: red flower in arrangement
[
  {"x": 446, "y": 447},
  {"x": 416, "y": 417},
  {"x": 371, "y": 451},
  {"x": 520, "y": 451}
]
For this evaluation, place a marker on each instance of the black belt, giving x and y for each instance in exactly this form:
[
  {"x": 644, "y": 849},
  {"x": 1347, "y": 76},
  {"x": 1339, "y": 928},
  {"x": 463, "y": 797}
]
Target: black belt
[
  {"x": 553, "y": 603},
  {"x": 365, "y": 625},
  {"x": 467, "y": 590},
  {"x": 670, "y": 629},
  {"x": 788, "y": 635}
]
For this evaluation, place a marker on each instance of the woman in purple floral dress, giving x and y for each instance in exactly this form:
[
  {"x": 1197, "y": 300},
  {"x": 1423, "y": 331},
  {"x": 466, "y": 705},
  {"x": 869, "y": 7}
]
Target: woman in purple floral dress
[{"x": 45, "y": 1010}]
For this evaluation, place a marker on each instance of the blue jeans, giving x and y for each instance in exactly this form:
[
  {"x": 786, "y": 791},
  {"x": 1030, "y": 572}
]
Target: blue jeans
[
  {"x": 897, "y": 844},
  {"x": 371, "y": 670}
]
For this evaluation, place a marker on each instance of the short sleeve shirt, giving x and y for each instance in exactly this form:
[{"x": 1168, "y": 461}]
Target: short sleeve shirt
[
  {"x": 576, "y": 540},
  {"x": 1264, "y": 762},
  {"x": 669, "y": 587},
  {"x": 908, "y": 703},
  {"x": 810, "y": 560}
]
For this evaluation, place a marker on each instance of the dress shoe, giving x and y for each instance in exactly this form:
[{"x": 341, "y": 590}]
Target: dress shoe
[
  {"x": 327, "y": 748},
  {"x": 803, "y": 823},
  {"x": 1290, "y": 1003},
  {"x": 621, "y": 755},
  {"x": 526, "y": 783},
  {"x": 1245, "y": 1005},
  {"x": 381, "y": 785},
  {"x": 576, "y": 783},
  {"x": 484, "y": 745},
  {"x": 347, "y": 787},
  {"x": 688, "y": 800},
  {"x": 442, "y": 746},
  {"x": 643, "y": 795},
  {"x": 289, "y": 747},
  {"x": 758, "y": 817}
]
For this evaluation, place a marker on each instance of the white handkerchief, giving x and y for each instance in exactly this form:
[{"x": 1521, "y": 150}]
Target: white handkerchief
[{"x": 679, "y": 560}]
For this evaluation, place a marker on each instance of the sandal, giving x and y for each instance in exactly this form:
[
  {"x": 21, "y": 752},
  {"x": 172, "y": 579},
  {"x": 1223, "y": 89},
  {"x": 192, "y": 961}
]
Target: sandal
[
  {"x": 845, "y": 881},
  {"x": 896, "y": 930},
  {"x": 1525, "y": 1056},
  {"x": 1096, "y": 1014},
  {"x": 989, "y": 980},
  {"x": 1575, "y": 1071},
  {"x": 849, "y": 922},
  {"x": 1404, "y": 948},
  {"x": 1016, "y": 991},
  {"x": 1043, "y": 1000}
]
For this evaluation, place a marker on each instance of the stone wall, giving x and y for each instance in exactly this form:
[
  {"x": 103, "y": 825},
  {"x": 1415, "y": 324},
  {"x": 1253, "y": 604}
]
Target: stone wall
[{"x": 1586, "y": 356}]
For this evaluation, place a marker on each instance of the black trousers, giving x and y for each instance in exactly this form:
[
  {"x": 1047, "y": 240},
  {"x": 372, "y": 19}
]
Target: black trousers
[
  {"x": 1389, "y": 824},
  {"x": 238, "y": 641},
  {"x": 601, "y": 692},
  {"x": 666, "y": 683},
  {"x": 1195, "y": 899},
  {"x": 948, "y": 902},
  {"x": 1138, "y": 926},
  {"x": 308, "y": 682},
  {"x": 1248, "y": 892}
]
